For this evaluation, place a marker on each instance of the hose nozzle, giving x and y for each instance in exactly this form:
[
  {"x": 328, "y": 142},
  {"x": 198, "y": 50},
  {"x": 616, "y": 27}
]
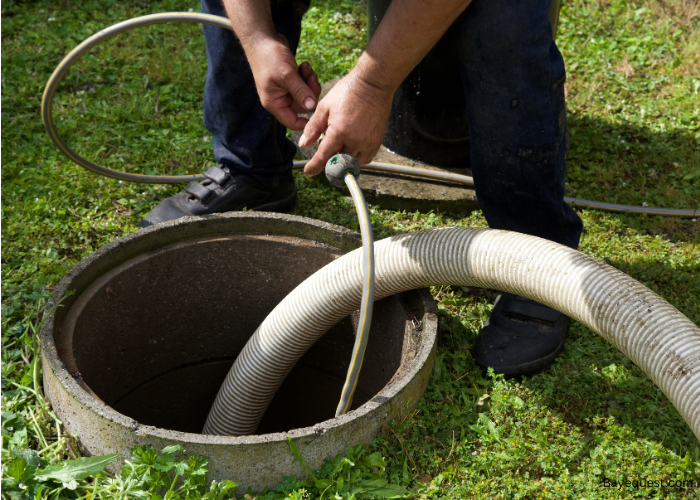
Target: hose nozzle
[{"x": 338, "y": 166}]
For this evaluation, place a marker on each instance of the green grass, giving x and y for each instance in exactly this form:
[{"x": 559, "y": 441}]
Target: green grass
[
  {"x": 633, "y": 91},
  {"x": 135, "y": 104}
]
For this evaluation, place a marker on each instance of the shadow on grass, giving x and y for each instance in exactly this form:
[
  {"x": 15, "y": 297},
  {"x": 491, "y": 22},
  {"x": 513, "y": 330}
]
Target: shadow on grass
[
  {"x": 592, "y": 385},
  {"x": 592, "y": 381},
  {"x": 631, "y": 165}
]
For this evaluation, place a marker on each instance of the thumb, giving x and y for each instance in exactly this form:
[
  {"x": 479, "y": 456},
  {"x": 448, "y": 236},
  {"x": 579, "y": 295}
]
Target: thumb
[
  {"x": 299, "y": 90},
  {"x": 314, "y": 128}
]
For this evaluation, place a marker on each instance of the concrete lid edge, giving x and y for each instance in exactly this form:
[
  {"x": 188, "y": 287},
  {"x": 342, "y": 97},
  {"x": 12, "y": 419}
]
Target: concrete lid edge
[{"x": 75, "y": 391}]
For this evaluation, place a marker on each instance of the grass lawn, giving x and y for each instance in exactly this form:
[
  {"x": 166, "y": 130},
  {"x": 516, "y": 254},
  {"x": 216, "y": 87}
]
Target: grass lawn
[{"x": 134, "y": 103}]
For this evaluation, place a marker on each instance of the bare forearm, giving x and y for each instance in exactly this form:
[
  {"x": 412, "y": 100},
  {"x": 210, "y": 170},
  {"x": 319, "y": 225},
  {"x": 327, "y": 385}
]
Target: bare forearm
[
  {"x": 355, "y": 111},
  {"x": 409, "y": 29},
  {"x": 251, "y": 20}
]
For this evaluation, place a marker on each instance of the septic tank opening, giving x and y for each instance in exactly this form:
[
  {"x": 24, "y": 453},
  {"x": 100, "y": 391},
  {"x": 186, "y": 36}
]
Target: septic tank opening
[{"x": 155, "y": 337}]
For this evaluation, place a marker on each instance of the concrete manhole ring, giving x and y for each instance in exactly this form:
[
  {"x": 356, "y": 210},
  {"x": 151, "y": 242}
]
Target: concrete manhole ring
[{"x": 136, "y": 354}]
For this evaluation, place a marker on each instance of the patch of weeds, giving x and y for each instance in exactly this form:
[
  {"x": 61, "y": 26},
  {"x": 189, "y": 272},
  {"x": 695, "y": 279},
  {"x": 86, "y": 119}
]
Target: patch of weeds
[
  {"x": 169, "y": 475},
  {"x": 173, "y": 474},
  {"x": 355, "y": 475}
]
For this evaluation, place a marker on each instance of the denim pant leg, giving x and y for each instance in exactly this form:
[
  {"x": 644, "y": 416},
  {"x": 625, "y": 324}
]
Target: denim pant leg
[
  {"x": 513, "y": 77},
  {"x": 247, "y": 138}
]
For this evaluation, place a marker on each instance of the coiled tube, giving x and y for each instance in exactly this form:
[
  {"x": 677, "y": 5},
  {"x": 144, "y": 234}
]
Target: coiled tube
[{"x": 195, "y": 17}]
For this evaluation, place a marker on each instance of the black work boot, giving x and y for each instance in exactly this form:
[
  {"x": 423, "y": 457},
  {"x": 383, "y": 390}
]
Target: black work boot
[
  {"x": 222, "y": 192},
  {"x": 521, "y": 336}
]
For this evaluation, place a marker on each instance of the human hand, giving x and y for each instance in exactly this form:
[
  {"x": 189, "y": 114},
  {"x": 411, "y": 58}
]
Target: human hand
[
  {"x": 353, "y": 115},
  {"x": 285, "y": 89}
]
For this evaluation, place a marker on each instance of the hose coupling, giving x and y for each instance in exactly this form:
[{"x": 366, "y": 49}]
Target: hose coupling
[{"x": 338, "y": 166}]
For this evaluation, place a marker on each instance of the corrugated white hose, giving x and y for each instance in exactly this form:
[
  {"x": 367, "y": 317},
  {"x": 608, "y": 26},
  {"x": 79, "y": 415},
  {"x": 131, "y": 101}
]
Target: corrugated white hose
[{"x": 643, "y": 326}]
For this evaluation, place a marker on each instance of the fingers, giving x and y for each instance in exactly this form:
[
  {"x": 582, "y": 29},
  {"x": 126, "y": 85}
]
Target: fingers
[
  {"x": 310, "y": 77},
  {"x": 286, "y": 115},
  {"x": 315, "y": 85},
  {"x": 353, "y": 117},
  {"x": 311, "y": 80},
  {"x": 334, "y": 142},
  {"x": 290, "y": 119},
  {"x": 285, "y": 89},
  {"x": 305, "y": 70},
  {"x": 355, "y": 153},
  {"x": 370, "y": 156},
  {"x": 292, "y": 82},
  {"x": 330, "y": 145},
  {"x": 316, "y": 126},
  {"x": 364, "y": 157},
  {"x": 278, "y": 100}
]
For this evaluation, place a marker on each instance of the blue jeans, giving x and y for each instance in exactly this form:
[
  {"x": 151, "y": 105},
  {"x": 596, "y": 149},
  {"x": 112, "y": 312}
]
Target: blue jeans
[{"x": 513, "y": 77}]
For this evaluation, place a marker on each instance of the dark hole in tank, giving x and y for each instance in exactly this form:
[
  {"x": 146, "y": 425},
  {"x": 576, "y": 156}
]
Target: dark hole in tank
[{"x": 155, "y": 337}]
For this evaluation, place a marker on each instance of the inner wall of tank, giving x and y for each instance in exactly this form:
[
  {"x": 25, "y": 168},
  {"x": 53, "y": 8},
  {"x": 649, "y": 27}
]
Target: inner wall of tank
[{"x": 156, "y": 340}]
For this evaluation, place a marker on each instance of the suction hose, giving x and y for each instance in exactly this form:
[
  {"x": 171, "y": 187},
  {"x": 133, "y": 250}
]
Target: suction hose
[
  {"x": 643, "y": 326},
  {"x": 194, "y": 17}
]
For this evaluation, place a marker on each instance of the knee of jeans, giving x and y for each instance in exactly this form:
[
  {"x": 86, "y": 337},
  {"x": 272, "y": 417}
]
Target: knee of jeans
[{"x": 506, "y": 43}]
